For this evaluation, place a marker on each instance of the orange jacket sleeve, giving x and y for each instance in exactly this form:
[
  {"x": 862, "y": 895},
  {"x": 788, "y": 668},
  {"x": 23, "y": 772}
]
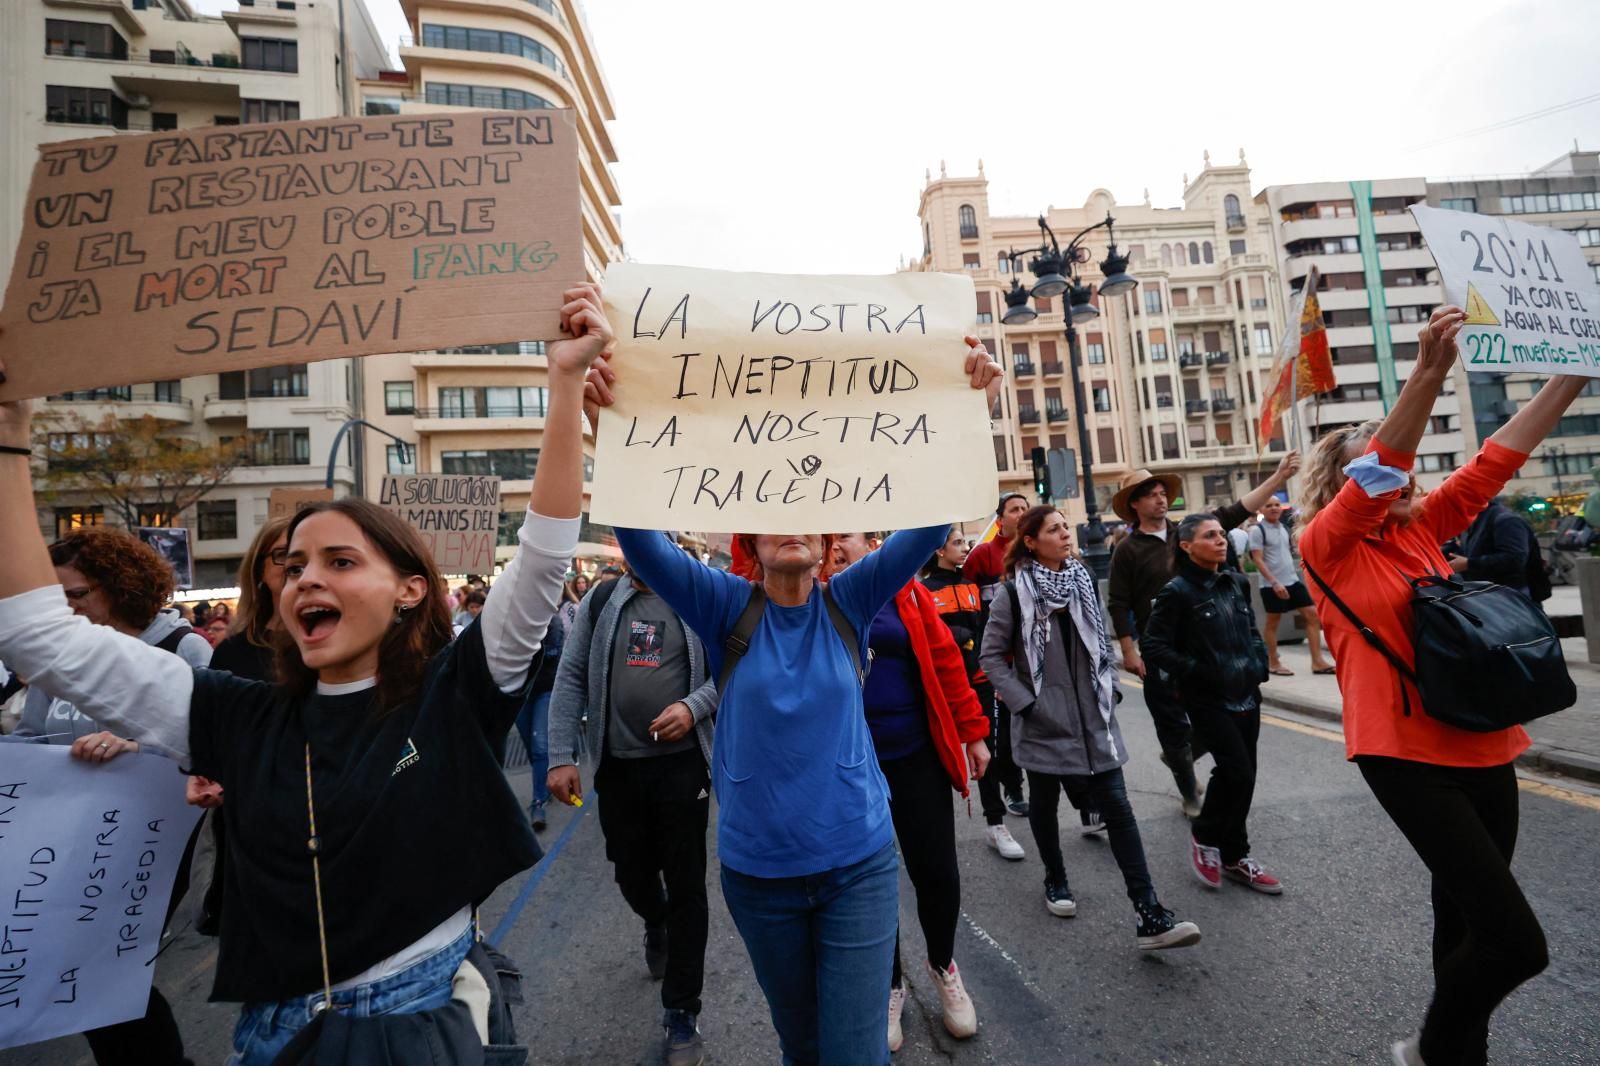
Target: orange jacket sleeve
[
  {"x": 1449, "y": 509},
  {"x": 1352, "y": 515},
  {"x": 971, "y": 723}
]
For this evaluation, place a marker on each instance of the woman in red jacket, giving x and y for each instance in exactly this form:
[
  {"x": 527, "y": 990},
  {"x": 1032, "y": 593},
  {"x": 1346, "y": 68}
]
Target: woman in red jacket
[
  {"x": 929, "y": 734},
  {"x": 1452, "y": 793}
]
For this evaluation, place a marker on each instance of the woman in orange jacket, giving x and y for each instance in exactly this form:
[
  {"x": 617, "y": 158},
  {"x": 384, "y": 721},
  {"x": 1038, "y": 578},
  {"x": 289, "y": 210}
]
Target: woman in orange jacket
[
  {"x": 930, "y": 734},
  {"x": 1452, "y": 793}
]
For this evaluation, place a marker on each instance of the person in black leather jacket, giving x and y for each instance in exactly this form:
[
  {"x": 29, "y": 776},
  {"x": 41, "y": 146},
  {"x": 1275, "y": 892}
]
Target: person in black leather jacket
[{"x": 1202, "y": 631}]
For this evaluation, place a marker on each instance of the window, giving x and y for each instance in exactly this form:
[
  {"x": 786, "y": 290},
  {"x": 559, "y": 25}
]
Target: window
[
  {"x": 1096, "y": 350},
  {"x": 219, "y": 519},
  {"x": 1588, "y": 238},
  {"x": 1166, "y": 255},
  {"x": 1430, "y": 464},
  {"x": 1459, "y": 203},
  {"x": 1183, "y": 257},
  {"x": 1107, "y": 441},
  {"x": 1102, "y": 397},
  {"x": 1206, "y": 252},
  {"x": 270, "y": 53},
  {"x": 482, "y": 96},
  {"x": 1003, "y": 263},
  {"x": 1158, "y": 351},
  {"x": 90, "y": 107},
  {"x": 89, "y": 40},
  {"x": 1236, "y": 247},
  {"x": 468, "y": 39},
  {"x": 496, "y": 401},
  {"x": 1595, "y": 268},
  {"x": 1169, "y": 442},
  {"x": 971, "y": 261},
  {"x": 1409, "y": 313},
  {"x": 512, "y": 464},
  {"x": 1180, "y": 297},
  {"x": 1230, "y": 208},
  {"x": 281, "y": 447},
  {"x": 1208, "y": 295},
  {"x": 382, "y": 105},
  {"x": 1020, "y": 359},
  {"x": 1152, "y": 300},
  {"x": 985, "y": 308},
  {"x": 1194, "y": 253},
  {"x": 168, "y": 391},
  {"x": 1041, "y": 304},
  {"x": 969, "y": 222},
  {"x": 1002, "y": 460},
  {"x": 163, "y": 120},
  {"x": 269, "y": 110},
  {"x": 1540, "y": 203},
  {"x": 1263, "y": 340},
  {"x": 399, "y": 397},
  {"x": 1441, "y": 424},
  {"x": 70, "y": 518},
  {"x": 395, "y": 466},
  {"x": 278, "y": 381}
]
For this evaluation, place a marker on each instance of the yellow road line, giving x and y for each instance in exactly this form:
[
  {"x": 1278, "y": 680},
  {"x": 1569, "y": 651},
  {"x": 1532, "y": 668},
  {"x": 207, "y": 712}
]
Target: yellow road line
[
  {"x": 1556, "y": 792},
  {"x": 1301, "y": 727}
]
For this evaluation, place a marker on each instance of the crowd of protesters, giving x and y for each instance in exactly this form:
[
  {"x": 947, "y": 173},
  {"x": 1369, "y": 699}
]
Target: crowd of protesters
[{"x": 868, "y": 682}]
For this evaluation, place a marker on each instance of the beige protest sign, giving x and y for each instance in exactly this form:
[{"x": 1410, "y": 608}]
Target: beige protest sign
[
  {"x": 769, "y": 403},
  {"x": 458, "y": 516},
  {"x": 186, "y": 252},
  {"x": 283, "y": 503}
]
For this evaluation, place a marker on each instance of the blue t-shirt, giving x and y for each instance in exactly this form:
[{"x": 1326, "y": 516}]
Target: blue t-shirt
[
  {"x": 798, "y": 785},
  {"x": 896, "y": 713}
]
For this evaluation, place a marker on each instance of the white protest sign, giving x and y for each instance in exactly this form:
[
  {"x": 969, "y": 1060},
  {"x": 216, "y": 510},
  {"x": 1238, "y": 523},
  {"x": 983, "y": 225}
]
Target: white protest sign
[
  {"x": 458, "y": 516},
  {"x": 87, "y": 858},
  {"x": 1531, "y": 299},
  {"x": 770, "y": 403}
]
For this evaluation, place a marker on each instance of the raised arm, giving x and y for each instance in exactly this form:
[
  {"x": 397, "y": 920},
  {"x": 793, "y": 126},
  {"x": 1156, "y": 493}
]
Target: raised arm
[
  {"x": 1252, "y": 501},
  {"x": 519, "y": 606},
  {"x": 866, "y": 585}
]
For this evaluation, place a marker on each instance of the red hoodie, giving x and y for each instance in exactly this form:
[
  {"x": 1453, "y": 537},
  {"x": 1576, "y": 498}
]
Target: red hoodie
[
  {"x": 986, "y": 563},
  {"x": 955, "y": 718}
]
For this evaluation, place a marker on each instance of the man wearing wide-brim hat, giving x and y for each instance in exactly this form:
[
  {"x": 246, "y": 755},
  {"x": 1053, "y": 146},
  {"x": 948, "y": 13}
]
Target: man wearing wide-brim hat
[{"x": 1140, "y": 567}]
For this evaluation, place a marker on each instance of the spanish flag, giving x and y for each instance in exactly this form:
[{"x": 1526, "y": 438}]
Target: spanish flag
[{"x": 1304, "y": 366}]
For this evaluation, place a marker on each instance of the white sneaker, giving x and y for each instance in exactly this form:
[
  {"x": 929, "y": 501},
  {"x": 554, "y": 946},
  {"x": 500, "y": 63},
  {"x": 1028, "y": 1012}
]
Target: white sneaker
[
  {"x": 960, "y": 1019},
  {"x": 897, "y": 1004},
  {"x": 1001, "y": 840},
  {"x": 1408, "y": 1052}
]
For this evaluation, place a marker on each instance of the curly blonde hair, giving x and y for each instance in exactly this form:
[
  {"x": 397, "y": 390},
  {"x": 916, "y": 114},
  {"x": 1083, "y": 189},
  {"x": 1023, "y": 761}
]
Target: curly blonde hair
[{"x": 1324, "y": 474}]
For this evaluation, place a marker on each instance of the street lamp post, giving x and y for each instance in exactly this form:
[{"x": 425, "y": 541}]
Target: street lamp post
[
  {"x": 1051, "y": 266},
  {"x": 338, "y": 438}
]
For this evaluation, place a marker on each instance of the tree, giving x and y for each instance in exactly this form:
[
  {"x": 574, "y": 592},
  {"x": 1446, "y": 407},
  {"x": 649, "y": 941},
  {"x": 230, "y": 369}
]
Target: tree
[{"x": 130, "y": 466}]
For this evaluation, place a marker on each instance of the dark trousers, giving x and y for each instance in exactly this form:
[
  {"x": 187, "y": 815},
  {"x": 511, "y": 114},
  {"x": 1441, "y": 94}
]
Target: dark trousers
[
  {"x": 653, "y": 814},
  {"x": 1462, "y": 821},
  {"x": 1231, "y": 736},
  {"x": 925, "y": 826},
  {"x": 1105, "y": 792},
  {"x": 1004, "y": 776},
  {"x": 1173, "y": 730}
]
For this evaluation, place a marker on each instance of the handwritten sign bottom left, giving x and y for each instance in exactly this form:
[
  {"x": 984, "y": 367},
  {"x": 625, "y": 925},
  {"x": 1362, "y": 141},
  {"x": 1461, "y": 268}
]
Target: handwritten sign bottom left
[{"x": 87, "y": 859}]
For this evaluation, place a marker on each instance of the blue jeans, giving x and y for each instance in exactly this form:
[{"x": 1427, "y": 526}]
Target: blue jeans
[
  {"x": 265, "y": 1029},
  {"x": 533, "y": 722},
  {"x": 823, "y": 951}
]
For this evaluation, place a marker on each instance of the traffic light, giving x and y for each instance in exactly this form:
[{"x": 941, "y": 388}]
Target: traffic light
[
  {"x": 1062, "y": 466},
  {"x": 1041, "y": 475}
]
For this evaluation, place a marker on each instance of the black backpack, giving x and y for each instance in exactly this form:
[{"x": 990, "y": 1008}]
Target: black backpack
[
  {"x": 1538, "y": 573},
  {"x": 1487, "y": 657},
  {"x": 738, "y": 641}
]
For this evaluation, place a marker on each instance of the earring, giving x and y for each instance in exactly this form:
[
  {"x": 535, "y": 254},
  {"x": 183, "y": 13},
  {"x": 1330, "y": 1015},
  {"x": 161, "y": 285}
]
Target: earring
[{"x": 400, "y": 610}]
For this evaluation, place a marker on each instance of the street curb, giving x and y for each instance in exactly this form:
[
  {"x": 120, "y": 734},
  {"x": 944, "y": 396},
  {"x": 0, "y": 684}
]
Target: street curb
[{"x": 1578, "y": 765}]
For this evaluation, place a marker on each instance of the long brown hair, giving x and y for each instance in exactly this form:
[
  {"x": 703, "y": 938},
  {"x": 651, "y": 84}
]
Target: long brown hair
[
  {"x": 256, "y": 606},
  {"x": 417, "y": 635},
  {"x": 1028, "y": 525},
  {"x": 1324, "y": 475}
]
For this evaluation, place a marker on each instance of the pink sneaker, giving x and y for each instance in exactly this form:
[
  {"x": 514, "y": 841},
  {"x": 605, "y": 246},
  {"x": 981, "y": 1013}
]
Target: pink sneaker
[
  {"x": 1249, "y": 873},
  {"x": 1206, "y": 863}
]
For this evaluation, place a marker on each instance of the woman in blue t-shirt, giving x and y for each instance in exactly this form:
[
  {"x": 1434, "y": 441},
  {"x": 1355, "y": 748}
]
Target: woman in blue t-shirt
[{"x": 803, "y": 829}]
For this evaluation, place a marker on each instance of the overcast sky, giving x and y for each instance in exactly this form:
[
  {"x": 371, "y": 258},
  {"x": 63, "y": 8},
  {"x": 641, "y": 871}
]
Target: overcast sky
[{"x": 793, "y": 137}]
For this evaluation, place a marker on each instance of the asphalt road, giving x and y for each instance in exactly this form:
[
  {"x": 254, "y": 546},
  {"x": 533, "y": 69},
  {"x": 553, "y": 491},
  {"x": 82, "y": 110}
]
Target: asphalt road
[{"x": 1329, "y": 972}]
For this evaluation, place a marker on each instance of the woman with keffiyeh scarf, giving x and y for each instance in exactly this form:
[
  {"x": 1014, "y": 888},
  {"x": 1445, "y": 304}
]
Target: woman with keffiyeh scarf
[{"x": 1047, "y": 652}]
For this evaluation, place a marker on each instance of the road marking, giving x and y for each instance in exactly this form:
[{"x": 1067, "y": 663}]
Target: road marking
[
  {"x": 509, "y": 919},
  {"x": 1301, "y": 727},
  {"x": 984, "y": 936}
]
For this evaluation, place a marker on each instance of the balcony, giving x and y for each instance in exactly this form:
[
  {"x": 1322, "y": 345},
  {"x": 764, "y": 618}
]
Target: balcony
[
  {"x": 1236, "y": 223},
  {"x": 1202, "y": 312},
  {"x": 124, "y": 405},
  {"x": 1258, "y": 303},
  {"x": 1022, "y": 370},
  {"x": 455, "y": 419},
  {"x": 969, "y": 233},
  {"x": 1190, "y": 360},
  {"x": 1223, "y": 404},
  {"x": 1028, "y": 416},
  {"x": 1218, "y": 358},
  {"x": 223, "y": 408},
  {"x": 1164, "y": 400},
  {"x": 1055, "y": 412},
  {"x": 1196, "y": 408},
  {"x": 1055, "y": 369}
]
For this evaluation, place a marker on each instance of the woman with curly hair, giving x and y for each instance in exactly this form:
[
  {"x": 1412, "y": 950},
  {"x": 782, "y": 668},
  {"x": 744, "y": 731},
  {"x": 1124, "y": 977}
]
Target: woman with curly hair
[{"x": 115, "y": 580}]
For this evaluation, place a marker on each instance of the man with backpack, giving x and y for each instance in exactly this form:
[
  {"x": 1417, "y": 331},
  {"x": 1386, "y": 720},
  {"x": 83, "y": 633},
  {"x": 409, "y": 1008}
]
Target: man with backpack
[
  {"x": 643, "y": 677},
  {"x": 1499, "y": 546}
]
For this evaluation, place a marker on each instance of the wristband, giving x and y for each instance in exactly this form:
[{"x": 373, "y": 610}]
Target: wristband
[{"x": 9, "y": 450}]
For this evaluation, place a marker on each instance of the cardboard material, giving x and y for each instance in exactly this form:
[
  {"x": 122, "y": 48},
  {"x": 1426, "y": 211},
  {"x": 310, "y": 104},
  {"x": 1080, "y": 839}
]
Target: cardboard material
[
  {"x": 283, "y": 503},
  {"x": 458, "y": 516},
  {"x": 768, "y": 403},
  {"x": 144, "y": 258},
  {"x": 1532, "y": 302}
]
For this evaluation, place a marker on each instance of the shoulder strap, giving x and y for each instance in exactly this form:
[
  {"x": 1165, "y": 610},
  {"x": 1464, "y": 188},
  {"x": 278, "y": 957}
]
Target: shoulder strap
[
  {"x": 171, "y": 641},
  {"x": 848, "y": 632},
  {"x": 1016, "y": 620},
  {"x": 738, "y": 641},
  {"x": 1367, "y": 634},
  {"x": 601, "y": 595}
]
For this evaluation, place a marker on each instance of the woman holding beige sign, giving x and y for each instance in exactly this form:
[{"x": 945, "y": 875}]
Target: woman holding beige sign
[
  {"x": 804, "y": 835},
  {"x": 379, "y": 720}
]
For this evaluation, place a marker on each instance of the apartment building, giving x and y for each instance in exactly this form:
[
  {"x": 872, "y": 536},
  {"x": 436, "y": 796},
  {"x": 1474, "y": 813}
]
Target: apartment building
[
  {"x": 86, "y": 68},
  {"x": 481, "y": 409},
  {"x": 1564, "y": 195},
  {"x": 1173, "y": 372},
  {"x": 1378, "y": 286}
]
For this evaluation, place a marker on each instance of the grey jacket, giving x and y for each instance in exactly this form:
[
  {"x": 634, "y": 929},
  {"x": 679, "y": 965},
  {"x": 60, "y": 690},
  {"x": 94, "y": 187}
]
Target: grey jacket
[
  {"x": 583, "y": 677},
  {"x": 1056, "y": 736},
  {"x": 43, "y": 715}
]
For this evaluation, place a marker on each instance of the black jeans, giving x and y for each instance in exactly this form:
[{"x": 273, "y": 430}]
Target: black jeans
[
  {"x": 1231, "y": 736},
  {"x": 925, "y": 826},
  {"x": 1462, "y": 821},
  {"x": 1004, "y": 776},
  {"x": 1173, "y": 730},
  {"x": 653, "y": 814},
  {"x": 1105, "y": 792}
]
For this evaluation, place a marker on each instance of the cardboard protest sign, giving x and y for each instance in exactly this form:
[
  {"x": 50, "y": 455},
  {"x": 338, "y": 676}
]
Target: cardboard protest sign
[
  {"x": 224, "y": 248},
  {"x": 1531, "y": 299},
  {"x": 283, "y": 503},
  {"x": 769, "y": 403},
  {"x": 458, "y": 516},
  {"x": 172, "y": 544},
  {"x": 87, "y": 858}
]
